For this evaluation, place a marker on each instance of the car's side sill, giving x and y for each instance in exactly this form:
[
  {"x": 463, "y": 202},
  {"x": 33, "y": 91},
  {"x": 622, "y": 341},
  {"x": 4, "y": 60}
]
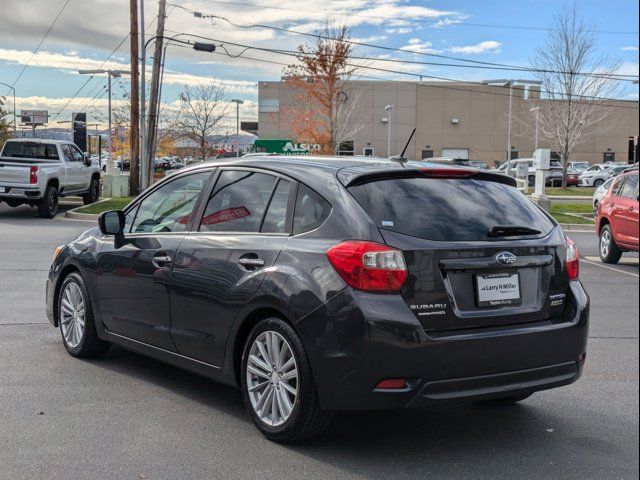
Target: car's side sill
[{"x": 196, "y": 366}]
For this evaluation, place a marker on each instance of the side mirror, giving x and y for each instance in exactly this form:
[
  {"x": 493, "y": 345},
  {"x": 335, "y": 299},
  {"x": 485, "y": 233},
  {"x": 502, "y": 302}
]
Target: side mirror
[
  {"x": 87, "y": 159},
  {"x": 112, "y": 223}
]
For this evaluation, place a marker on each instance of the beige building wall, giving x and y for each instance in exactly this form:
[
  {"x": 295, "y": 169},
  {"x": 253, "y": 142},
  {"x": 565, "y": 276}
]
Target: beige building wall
[{"x": 450, "y": 116}]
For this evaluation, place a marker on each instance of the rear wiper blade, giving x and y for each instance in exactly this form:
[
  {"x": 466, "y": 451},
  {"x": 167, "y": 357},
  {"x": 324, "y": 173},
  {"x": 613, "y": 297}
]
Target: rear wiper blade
[{"x": 509, "y": 230}]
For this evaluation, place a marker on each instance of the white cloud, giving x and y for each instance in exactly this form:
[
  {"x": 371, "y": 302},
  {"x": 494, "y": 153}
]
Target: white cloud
[
  {"x": 416, "y": 45},
  {"x": 629, "y": 49},
  {"x": 482, "y": 47}
]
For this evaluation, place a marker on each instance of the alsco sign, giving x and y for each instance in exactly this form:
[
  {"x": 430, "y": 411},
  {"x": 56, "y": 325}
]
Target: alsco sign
[{"x": 292, "y": 148}]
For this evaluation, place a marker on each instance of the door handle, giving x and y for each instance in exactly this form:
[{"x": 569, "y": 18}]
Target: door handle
[
  {"x": 251, "y": 262},
  {"x": 161, "y": 260}
]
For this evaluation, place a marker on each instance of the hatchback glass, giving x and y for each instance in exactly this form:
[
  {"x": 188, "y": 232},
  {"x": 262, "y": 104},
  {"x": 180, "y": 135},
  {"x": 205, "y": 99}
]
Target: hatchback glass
[{"x": 447, "y": 209}]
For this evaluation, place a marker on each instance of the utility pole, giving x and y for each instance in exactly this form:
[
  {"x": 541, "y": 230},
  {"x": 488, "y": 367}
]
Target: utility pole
[
  {"x": 389, "y": 109},
  {"x": 143, "y": 102},
  {"x": 134, "y": 140},
  {"x": 154, "y": 99}
]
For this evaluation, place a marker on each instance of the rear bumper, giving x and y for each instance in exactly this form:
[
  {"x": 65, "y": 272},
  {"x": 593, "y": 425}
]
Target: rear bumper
[
  {"x": 19, "y": 192},
  {"x": 357, "y": 339}
]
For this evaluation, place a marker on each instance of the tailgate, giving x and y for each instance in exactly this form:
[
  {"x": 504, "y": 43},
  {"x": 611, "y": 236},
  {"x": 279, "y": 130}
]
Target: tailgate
[
  {"x": 464, "y": 286},
  {"x": 14, "y": 173}
]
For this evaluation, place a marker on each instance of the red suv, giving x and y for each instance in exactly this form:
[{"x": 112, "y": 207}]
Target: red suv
[{"x": 618, "y": 218}]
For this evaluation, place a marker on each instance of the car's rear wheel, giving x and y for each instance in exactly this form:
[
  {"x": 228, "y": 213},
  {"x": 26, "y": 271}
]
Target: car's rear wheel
[
  {"x": 93, "y": 194},
  {"x": 609, "y": 251},
  {"x": 75, "y": 318},
  {"x": 48, "y": 205},
  {"x": 277, "y": 385}
]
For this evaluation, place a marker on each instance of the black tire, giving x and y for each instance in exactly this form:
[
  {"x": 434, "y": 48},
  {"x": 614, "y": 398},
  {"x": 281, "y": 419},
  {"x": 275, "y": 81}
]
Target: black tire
[
  {"x": 307, "y": 419},
  {"x": 532, "y": 181},
  {"x": 510, "y": 400},
  {"x": 611, "y": 254},
  {"x": 90, "y": 345},
  {"x": 598, "y": 182},
  {"x": 48, "y": 205},
  {"x": 93, "y": 195}
]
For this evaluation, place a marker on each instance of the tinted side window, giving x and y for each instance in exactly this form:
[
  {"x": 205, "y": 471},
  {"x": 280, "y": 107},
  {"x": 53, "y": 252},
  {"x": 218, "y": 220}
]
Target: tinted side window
[
  {"x": 170, "y": 207},
  {"x": 76, "y": 153},
  {"x": 616, "y": 190},
  {"x": 238, "y": 202},
  {"x": 66, "y": 151},
  {"x": 630, "y": 187},
  {"x": 275, "y": 221},
  {"x": 311, "y": 210},
  {"x": 44, "y": 151}
]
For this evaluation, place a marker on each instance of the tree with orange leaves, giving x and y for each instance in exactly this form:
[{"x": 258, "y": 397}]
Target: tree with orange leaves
[{"x": 321, "y": 105}]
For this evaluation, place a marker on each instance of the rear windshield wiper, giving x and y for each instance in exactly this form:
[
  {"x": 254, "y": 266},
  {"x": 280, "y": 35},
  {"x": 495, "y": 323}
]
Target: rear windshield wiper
[{"x": 511, "y": 230}]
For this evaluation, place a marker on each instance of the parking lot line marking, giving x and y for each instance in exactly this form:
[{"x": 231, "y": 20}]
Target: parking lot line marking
[{"x": 609, "y": 268}]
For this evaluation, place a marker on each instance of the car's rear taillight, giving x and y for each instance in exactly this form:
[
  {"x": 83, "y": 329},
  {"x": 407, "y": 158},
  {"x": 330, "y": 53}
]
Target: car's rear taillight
[
  {"x": 573, "y": 260},
  {"x": 33, "y": 175},
  {"x": 369, "y": 266}
]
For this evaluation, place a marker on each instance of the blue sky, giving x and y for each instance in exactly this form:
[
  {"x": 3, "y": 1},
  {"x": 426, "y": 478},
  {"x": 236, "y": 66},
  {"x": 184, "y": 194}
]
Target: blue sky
[{"x": 88, "y": 31}]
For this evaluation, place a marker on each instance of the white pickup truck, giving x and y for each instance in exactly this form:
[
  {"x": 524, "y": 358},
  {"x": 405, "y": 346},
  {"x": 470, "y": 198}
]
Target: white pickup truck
[{"x": 37, "y": 172}]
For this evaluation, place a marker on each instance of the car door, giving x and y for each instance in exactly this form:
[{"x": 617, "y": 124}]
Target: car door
[
  {"x": 133, "y": 280},
  {"x": 219, "y": 268},
  {"x": 73, "y": 165},
  {"x": 626, "y": 213},
  {"x": 83, "y": 173}
]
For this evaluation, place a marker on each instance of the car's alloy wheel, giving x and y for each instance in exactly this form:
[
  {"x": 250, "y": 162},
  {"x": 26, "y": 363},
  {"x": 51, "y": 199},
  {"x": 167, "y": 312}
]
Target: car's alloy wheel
[
  {"x": 72, "y": 314},
  {"x": 609, "y": 251},
  {"x": 272, "y": 378},
  {"x": 75, "y": 319}
]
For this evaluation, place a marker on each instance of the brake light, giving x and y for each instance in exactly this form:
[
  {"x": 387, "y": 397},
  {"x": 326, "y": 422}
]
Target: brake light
[
  {"x": 33, "y": 175},
  {"x": 447, "y": 172},
  {"x": 369, "y": 266},
  {"x": 573, "y": 260},
  {"x": 392, "y": 384}
]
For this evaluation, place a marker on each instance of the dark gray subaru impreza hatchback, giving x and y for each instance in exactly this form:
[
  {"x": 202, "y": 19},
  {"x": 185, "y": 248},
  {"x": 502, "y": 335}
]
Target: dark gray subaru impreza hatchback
[{"x": 322, "y": 284}]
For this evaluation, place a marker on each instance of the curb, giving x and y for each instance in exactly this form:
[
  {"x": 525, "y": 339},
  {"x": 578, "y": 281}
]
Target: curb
[
  {"x": 577, "y": 227},
  {"x": 84, "y": 216}
]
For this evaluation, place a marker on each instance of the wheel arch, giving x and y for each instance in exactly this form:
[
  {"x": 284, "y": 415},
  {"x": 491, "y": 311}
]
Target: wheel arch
[
  {"x": 64, "y": 273},
  {"x": 249, "y": 318},
  {"x": 601, "y": 224}
]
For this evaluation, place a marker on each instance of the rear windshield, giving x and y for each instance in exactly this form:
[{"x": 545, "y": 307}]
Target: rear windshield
[
  {"x": 41, "y": 151},
  {"x": 447, "y": 209}
]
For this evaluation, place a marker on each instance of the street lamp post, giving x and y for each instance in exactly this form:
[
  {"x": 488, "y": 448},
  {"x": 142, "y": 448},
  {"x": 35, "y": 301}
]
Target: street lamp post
[
  {"x": 510, "y": 82},
  {"x": 15, "y": 125},
  {"x": 238, "y": 103},
  {"x": 115, "y": 74},
  {"x": 537, "y": 110},
  {"x": 388, "y": 109}
]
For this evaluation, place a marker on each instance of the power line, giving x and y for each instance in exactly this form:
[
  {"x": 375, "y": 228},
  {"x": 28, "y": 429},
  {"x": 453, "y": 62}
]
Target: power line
[
  {"x": 41, "y": 42},
  {"x": 455, "y": 22},
  {"x": 475, "y": 63},
  {"x": 398, "y": 72}
]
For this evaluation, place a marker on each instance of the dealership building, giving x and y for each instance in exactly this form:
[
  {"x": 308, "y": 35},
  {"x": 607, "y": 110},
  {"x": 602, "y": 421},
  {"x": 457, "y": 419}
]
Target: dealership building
[{"x": 452, "y": 119}]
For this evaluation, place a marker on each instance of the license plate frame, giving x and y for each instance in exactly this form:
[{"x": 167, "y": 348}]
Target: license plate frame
[{"x": 504, "y": 287}]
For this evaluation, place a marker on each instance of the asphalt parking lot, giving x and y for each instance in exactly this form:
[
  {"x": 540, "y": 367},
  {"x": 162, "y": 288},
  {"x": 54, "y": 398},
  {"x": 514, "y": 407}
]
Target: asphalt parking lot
[{"x": 127, "y": 417}]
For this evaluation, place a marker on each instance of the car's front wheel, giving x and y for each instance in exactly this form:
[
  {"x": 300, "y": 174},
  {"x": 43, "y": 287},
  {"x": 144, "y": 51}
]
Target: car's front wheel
[
  {"x": 609, "y": 251},
  {"x": 277, "y": 384},
  {"x": 598, "y": 182},
  {"x": 75, "y": 318}
]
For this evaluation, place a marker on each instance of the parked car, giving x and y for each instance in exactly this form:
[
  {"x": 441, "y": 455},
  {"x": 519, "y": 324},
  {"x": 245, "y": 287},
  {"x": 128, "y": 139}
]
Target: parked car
[
  {"x": 579, "y": 166},
  {"x": 600, "y": 193},
  {"x": 460, "y": 162},
  {"x": 617, "y": 221},
  {"x": 553, "y": 177},
  {"x": 37, "y": 172},
  {"x": 573, "y": 177},
  {"x": 599, "y": 178},
  {"x": 592, "y": 176},
  {"x": 316, "y": 285},
  {"x": 479, "y": 164}
]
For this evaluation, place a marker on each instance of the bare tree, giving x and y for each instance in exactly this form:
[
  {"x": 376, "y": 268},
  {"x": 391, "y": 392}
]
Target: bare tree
[
  {"x": 202, "y": 107},
  {"x": 573, "y": 76},
  {"x": 322, "y": 105},
  {"x": 5, "y": 126}
]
